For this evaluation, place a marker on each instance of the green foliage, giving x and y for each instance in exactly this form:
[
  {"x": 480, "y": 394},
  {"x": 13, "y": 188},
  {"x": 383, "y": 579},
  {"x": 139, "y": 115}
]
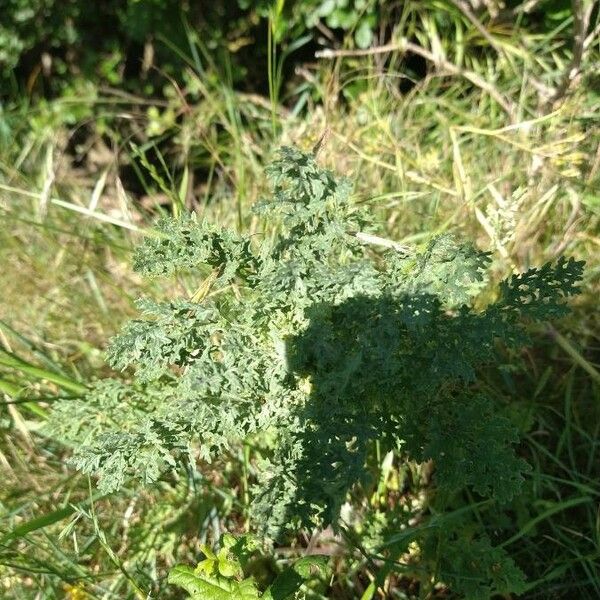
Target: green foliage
[
  {"x": 26, "y": 23},
  {"x": 355, "y": 17},
  {"x": 221, "y": 576},
  {"x": 473, "y": 568},
  {"x": 453, "y": 547},
  {"x": 182, "y": 244},
  {"x": 100, "y": 38},
  {"x": 47, "y": 47},
  {"x": 311, "y": 337},
  {"x": 69, "y": 38}
]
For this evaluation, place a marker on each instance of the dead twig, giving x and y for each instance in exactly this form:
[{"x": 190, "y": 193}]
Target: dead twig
[
  {"x": 466, "y": 10},
  {"x": 403, "y": 45},
  {"x": 581, "y": 16}
]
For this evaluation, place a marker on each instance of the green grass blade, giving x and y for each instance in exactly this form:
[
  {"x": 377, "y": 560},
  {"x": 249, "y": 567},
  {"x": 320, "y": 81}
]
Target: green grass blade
[
  {"x": 10, "y": 360},
  {"x": 45, "y": 520},
  {"x": 561, "y": 506}
]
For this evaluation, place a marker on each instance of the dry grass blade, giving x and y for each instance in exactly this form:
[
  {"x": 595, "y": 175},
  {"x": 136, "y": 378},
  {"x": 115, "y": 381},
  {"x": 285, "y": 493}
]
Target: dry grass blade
[
  {"x": 404, "y": 45},
  {"x": 83, "y": 210},
  {"x": 582, "y": 12}
]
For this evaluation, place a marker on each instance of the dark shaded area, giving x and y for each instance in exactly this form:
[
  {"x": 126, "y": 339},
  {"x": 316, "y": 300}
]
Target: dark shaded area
[
  {"x": 46, "y": 43},
  {"x": 53, "y": 41},
  {"x": 398, "y": 370}
]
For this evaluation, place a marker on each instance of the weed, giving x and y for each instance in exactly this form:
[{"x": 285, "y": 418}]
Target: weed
[{"x": 318, "y": 348}]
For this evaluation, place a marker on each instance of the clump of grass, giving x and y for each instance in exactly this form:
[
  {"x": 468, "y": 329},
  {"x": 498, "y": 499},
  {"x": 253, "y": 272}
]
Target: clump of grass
[{"x": 469, "y": 144}]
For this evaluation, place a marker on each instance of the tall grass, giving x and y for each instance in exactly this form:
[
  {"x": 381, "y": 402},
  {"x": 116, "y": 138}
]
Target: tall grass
[{"x": 479, "y": 144}]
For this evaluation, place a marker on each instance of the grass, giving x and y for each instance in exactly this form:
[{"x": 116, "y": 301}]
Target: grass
[{"x": 87, "y": 174}]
